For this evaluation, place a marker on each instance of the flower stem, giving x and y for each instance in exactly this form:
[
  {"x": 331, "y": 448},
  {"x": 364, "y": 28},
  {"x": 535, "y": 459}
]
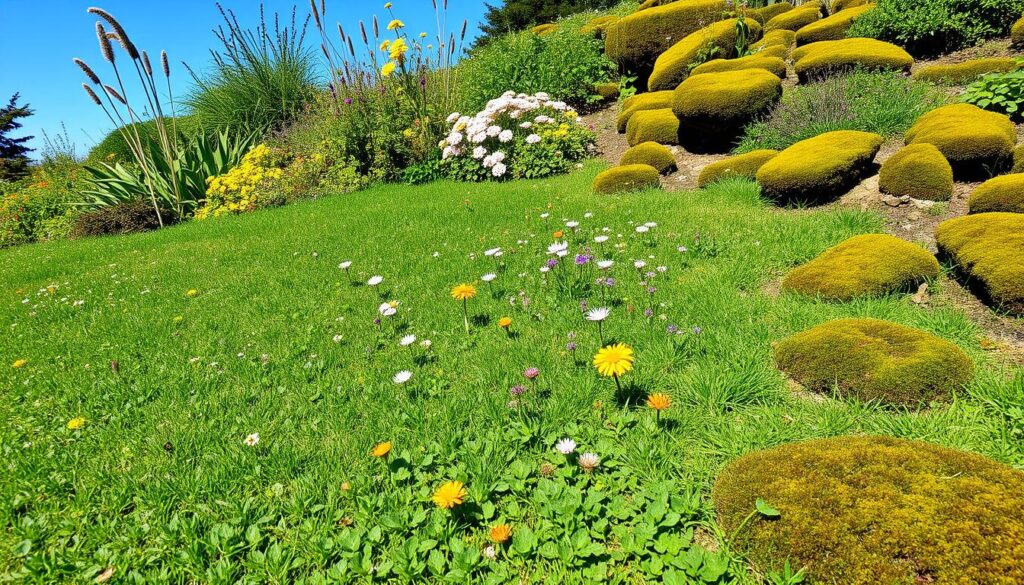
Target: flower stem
[{"x": 465, "y": 314}]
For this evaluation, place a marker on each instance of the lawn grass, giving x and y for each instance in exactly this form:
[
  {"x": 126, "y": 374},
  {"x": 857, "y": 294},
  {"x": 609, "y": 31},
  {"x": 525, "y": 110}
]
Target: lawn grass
[{"x": 276, "y": 340}]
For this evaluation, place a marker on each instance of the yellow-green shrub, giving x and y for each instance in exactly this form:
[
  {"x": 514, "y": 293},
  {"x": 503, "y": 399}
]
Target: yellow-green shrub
[
  {"x": 875, "y": 360},
  {"x": 756, "y": 61},
  {"x": 1018, "y": 159},
  {"x": 673, "y": 65},
  {"x": 766, "y": 13},
  {"x": 607, "y": 91},
  {"x": 963, "y": 73},
  {"x": 240, "y": 189},
  {"x": 823, "y": 58},
  {"x": 987, "y": 249},
  {"x": 831, "y": 28},
  {"x": 780, "y": 37},
  {"x": 871, "y": 510},
  {"x": 655, "y": 100},
  {"x": 661, "y": 126},
  {"x": 635, "y": 41},
  {"x": 652, "y": 154},
  {"x": 838, "y": 5},
  {"x": 1017, "y": 33},
  {"x": 777, "y": 51},
  {"x": 714, "y": 107},
  {"x": 544, "y": 29},
  {"x": 794, "y": 19},
  {"x": 918, "y": 170},
  {"x": 598, "y": 26},
  {"x": 627, "y": 178},
  {"x": 743, "y": 165},
  {"x": 1004, "y": 193},
  {"x": 973, "y": 140},
  {"x": 865, "y": 265},
  {"x": 818, "y": 168}
]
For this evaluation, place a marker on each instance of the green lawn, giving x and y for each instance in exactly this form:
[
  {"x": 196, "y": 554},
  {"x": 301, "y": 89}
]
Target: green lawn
[{"x": 159, "y": 485}]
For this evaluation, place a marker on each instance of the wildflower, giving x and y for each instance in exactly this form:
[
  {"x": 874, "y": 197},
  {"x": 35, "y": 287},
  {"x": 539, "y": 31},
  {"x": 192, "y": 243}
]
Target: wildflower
[
  {"x": 659, "y": 401},
  {"x": 407, "y": 340},
  {"x": 387, "y": 5},
  {"x": 558, "y": 235},
  {"x": 558, "y": 248},
  {"x": 345, "y": 265},
  {"x": 589, "y": 461},
  {"x": 398, "y": 50},
  {"x": 425, "y": 344},
  {"x": 449, "y": 495},
  {"x": 639, "y": 264},
  {"x": 517, "y": 390},
  {"x": 505, "y": 136},
  {"x": 650, "y": 224},
  {"x": 642, "y": 229},
  {"x": 489, "y": 553},
  {"x": 605, "y": 264},
  {"x": 532, "y": 138},
  {"x": 464, "y": 292},
  {"x": 582, "y": 259},
  {"x": 498, "y": 170},
  {"x": 252, "y": 440},
  {"x": 191, "y": 292},
  {"x": 600, "y": 239},
  {"x": 572, "y": 225},
  {"x": 423, "y": 35},
  {"x": 387, "y": 309},
  {"x": 76, "y": 423},
  {"x": 19, "y": 364},
  {"x": 345, "y": 486},
  {"x": 395, "y": 24},
  {"x": 374, "y": 280},
  {"x": 500, "y": 533},
  {"x": 531, "y": 373},
  {"x": 488, "y": 277},
  {"x": 385, "y": 44},
  {"x": 381, "y": 449},
  {"x": 402, "y": 377},
  {"x": 505, "y": 322},
  {"x": 565, "y": 446},
  {"x": 547, "y": 469},
  {"x": 492, "y": 252},
  {"x": 614, "y": 361},
  {"x": 598, "y": 314},
  {"x": 387, "y": 69}
]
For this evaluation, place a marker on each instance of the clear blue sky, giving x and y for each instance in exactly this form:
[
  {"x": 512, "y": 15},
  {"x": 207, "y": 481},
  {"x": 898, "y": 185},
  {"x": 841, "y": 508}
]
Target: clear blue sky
[{"x": 41, "y": 37}]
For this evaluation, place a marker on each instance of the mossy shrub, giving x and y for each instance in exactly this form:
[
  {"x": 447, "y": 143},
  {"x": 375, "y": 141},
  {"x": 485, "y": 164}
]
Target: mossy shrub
[
  {"x": 627, "y": 178},
  {"x": 598, "y": 26},
  {"x": 635, "y": 41},
  {"x": 831, "y": 28},
  {"x": 544, "y": 29},
  {"x": 673, "y": 65},
  {"x": 650, "y": 153},
  {"x": 775, "y": 65},
  {"x": 973, "y": 140},
  {"x": 875, "y": 360},
  {"x": 607, "y": 91},
  {"x": 794, "y": 19},
  {"x": 766, "y": 13},
  {"x": 863, "y": 266},
  {"x": 655, "y": 100},
  {"x": 987, "y": 251},
  {"x": 780, "y": 37},
  {"x": 871, "y": 510},
  {"x": 661, "y": 126},
  {"x": 838, "y": 5},
  {"x": 819, "y": 168},
  {"x": 823, "y": 58},
  {"x": 964, "y": 73},
  {"x": 714, "y": 107},
  {"x": 1017, "y": 33},
  {"x": 1003, "y": 193},
  {"x": 1018, "y": 159},
  {"x": 742, "y": 165},
  {"x": 918, "y": 170}
]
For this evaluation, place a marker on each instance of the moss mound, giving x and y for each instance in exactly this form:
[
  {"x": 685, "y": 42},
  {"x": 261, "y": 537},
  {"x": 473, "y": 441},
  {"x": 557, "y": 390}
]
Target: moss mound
[
  {"x": 838, "y": 5},
  {"x": 1017, "y": 33},
  {"x": 775, "y": 38},
  {"x": 1018, "y": 159},
  {"x": 713, "y": 108},
  {"x": 919, "y": 171},
  {"x": 865, "y": 265},
  {"x": 824, "y": 58},
  {"x": 987, "y": 250},
  {"x": 598, "y": 26},
  {"x": 831, "y": 28},
  {"x": 819, "y": 168},
  {"x": 673, "y": 65},
  {"x": 743, "y": 165},
  {"x": 775, "y": 65},
  {"x": 976, "y": 142},
  {"x": 1005, "y": 193},
  {"x": 766, "y": 13},
  {"x": 794, "y": 19},
  {"x": 544, "y": 29},
  {"x": 607, "y": 91},
  {"x": 871, "y": 510},
  {"x": 627, "y": 178},
  {"x": 966, "y": 72},
  {"x": 652, "y": 154},
  {"x": 659, "y": 126},
  {"x": 875, "y": 360},
  {"x": 635, "y": 41},
  {"x": 655, "y": 100}
]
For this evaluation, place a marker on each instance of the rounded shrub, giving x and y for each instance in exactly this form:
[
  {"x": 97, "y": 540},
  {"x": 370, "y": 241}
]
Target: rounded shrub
[
  {"x": 627, "y": 178},
  {"x": 963, "y": 73},
  {"x": 673, "y": 66},
  {"x": 607, "y": 91},
  {"x": 794, "y": 19},
  {"x": 868, "y": 510},
  {"x": 598, "y": 26},
  {"x": 775, "y": 65},
  {"x": 838, "y": 5},
  {"x": 819, "y": 168},
  {"x": 824, "y": 58},
  {"x": 655, "y": 100},
  {"x": 652, "y": 154},
  {"x": 766, "y": 13},
  {"x": 636, "y": 40},
  {"x": 831, "y": 28},
  {"x": 661, "y": 126},
  {"x": 1017, "y": 33},
  {"x": 1004, "y": 193},
  {"x": 875, "y": 360},
  {"x": 544, "y": 29},
  {"x": 863, "y": 266},
  {"x": 973, "y": 140},
  {"x": 1018, "y": 159},
  {"x": 919, "y": 171},
  {"x": 776, "y": 38},
  {"x": 714, "y": 107},
  {"x": 742, "y": 165},
  {"x": 987, "y": 251}
]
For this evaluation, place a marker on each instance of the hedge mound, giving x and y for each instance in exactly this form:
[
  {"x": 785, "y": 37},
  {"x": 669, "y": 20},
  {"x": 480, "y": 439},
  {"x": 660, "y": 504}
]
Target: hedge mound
[
  {"x": 865, "y": 265},
  {"x": 1018, "y": 159},
  {"x": 987, "y": 250},
  {"x": 598, "y": 26},
  {"x": 973, "y": 140},
  {"x": 966, "y": 72},
  {"x": 775, "y": 38},
  {"x": 713, "y": 108},
  {"x": 756, "y": 61},
  {"x": 875, "y": 360},
  {"x": 832, "y": 28},
  {"x": 635, "y": 41},
  {"x": 743, "y": 165},
  {"x": 868, "y": 510},
  {"x": 673, "y": 66},
  {"x": 655, "y": 100},
  {"x": 1005, "y": 193},
  {"x": 1017, "y": 33},
  {"x": 627, "y": 178},
  {"x": 607, "y": 91},
  {"x": 766, "y": 13},
  {"x": 821, "y": 59},
  {"x": 661, "y": 126},
  {"x": 652, "y": 154},
  {"x": 918, "y": 170},
  {"x": 794, "y": 19},
  {"x": 819, "y": 168},
  {"x": 544, "y": 29},
  {"x": 838, "y": 5}
]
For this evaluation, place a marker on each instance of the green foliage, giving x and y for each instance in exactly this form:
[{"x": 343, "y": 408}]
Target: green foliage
[
  {"x": 113, "y": 147},
  {"x": 986, "y": 251},
  {"x": 13, "y": 152},
  {"x": 39, "y": 207},
  {"x": 998, "y": 92},
  {"x": 518, "y": 15},
  {"x": 125, "y": 217}
]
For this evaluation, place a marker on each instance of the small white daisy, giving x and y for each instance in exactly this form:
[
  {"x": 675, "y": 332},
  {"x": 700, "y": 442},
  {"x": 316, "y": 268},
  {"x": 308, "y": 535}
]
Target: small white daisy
[
  {"x": 252, "y": 440},
  {"x": 492, "y": 252},
  {"x": 375, "y": 280},
  {"x": 601, "y": 239},
  {"x": 565, "y": 446},
  {"x": 488, "y": 277},
  {"x": 345, "y": 265},
  {"x": 598, "y": 314},
  {"x": 407, "y": 340},
  {"x": 639, "y": 264},
  {"x": 402, "y": 377},
  {"x": 605, "y": 264},
  {"x": 572, "y": 224},
  {"x": 386, "y": 310},
  {"x": 642, "y": 229}
]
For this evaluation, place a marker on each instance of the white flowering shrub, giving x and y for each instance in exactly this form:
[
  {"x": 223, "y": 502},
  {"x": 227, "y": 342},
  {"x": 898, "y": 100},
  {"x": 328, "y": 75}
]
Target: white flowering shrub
[{"x": 515, "y": 136}]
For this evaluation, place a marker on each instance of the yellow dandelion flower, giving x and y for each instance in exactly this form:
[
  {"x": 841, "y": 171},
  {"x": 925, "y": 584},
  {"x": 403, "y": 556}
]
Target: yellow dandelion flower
[
  {"x": 500, "y": 533},
  {"x": 423, "y": 35},
  {"x": 398, "y": 49},
  {"x": 463, "y": 292},
  {"x": 76, "y": 423},
  {"x": 614, "y": 360},
  {"x": 387, "y": 69},
  {"x": 659, "y": 401},
  {"x": 449, "y": 495},
  {"x": 505, "y": 322},
  {"x": 191, "y": 292},
  {"x": 387, "y": 5},
  {"x": 395, "y": 24},
  {"x": 381, "y": 449},
  {"x": 385, "y": 44},
  {"x": 19, "y": 364}
]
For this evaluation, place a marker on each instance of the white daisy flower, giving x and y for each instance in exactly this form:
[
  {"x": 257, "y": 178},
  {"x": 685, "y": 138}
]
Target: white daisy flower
[
  {"x": 639, "y": 264},
  {"x": 425, "y": 344},
  {"x": 252, "y": 440},
  {"x": 642, "y": 229},
  {"x": 601, "y": 239},
  {"x": 488, "y": 277},
  {"x": 344, "y": 265},
  {"x": 598, "y": 314},
  {"x": 572, "y": 224},
  {"x": 589, "y": 461},
  {"x": 492, "y": 252},
  {"x": 407, "y": 340},
  {"x": 605, "y": 264},
  {"x": 375, "y": 280},
  {"x": 386, "y": 310},
  {"x": 565, "y": 446},
  {"x": 558, "y": 247},
  {"x": 402, "y": 377}
]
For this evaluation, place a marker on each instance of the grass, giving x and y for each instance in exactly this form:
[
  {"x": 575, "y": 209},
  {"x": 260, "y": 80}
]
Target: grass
[{"x": 158, "y": 485}]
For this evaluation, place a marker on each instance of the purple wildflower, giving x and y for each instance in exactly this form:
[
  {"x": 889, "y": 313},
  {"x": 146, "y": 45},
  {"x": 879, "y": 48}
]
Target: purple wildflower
[
  {"x": 552, "y": 262},
  {"x": 582, "y": 259},
  {"x": 517, "y": 390},
  {"x": 531, "y": 373},
  {"x": 571, "y": 346},
  {"x": 648, "y": 312},
  {"x": 672, "y": 329}
]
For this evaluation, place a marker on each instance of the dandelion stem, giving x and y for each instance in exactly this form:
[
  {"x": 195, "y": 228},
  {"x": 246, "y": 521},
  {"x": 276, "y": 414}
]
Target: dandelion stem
[
  {"x": 618, "y": 386},
  {"x": 600, "y": 333},
  {"x": 465, "y": 314}
]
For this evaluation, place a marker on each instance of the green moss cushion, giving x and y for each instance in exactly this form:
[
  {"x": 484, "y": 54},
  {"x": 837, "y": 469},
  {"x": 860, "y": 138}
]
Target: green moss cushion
[
  {"x": 820, "y": 168},
  {"x": 661, "y": 126},
  {"x": 875, "y": 360},
  {"x": 1017, "y": 33},
  {"x": 973, "y": 140},
  {"x": 824, "y": 58},
  {"x": 627, "y": 178},
  {"x": 987, "y": 250},
  {"x": 598, "y": 26},
  {"x": 650, "y": 153},
  {"x": 743, "y": 165},
  {"x": 779, "y": 37},
  {"x": 766, "y": 13},
  {"x": 838, "y": 5},
  {"x": 544, "y": 29},
  {"x": 831, "y": 28},
  {"x": 636, "y": 40},
  {"x": 865, "y": 265},
  {"x": 714, "y": 107},
  {"x": 655, "y": 100},
  {"x": 607, "y": 91},
  {"x": 870, "y": 510},
  {"x": 794, "y": 19},
  {"x": 673, "y": 66},
  {"x": 966, "y": 72},
  {"x": 1004, "y": 193},
  {"x": 918, "y": 170},
  {"x": 756, "y": 61}
]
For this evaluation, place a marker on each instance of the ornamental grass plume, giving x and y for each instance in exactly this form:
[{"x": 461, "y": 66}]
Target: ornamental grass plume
[
  {"x": 614, "y": 361},
  {"x": 464, "y": 292},
  {"x": 449, "y": 495}
]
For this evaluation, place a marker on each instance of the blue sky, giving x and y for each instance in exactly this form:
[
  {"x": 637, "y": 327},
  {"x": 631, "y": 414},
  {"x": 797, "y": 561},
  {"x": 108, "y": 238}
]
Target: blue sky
[{"x": 41, "y": 37}]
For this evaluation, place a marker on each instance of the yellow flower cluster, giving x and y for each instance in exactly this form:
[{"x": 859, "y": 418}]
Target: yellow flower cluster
[{"x": 238, "y": 189}]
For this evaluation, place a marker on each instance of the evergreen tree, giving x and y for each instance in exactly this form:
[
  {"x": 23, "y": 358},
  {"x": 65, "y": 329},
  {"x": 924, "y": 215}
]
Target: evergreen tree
[
  {"x": 517, "y": 15},
  {"x": 13, "y": 152}
]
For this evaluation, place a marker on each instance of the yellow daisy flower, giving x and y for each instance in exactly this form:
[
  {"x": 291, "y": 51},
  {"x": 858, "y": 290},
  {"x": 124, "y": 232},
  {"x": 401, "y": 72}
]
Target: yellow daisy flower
[
  {"x": 449, "y": 495},
  {"x": 614, "y": 360},
  {"x": 463, "y": 292},
  {"x": 76, "y": 423},
  {"x": 381, "y": 449},
  {"x": 395, "y": 24},
  {"x": 387, "y": 69}
]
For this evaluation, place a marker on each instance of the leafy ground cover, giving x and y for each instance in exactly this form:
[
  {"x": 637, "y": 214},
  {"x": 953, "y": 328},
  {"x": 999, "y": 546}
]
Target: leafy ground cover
[{"x": 221, "y": 402}]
